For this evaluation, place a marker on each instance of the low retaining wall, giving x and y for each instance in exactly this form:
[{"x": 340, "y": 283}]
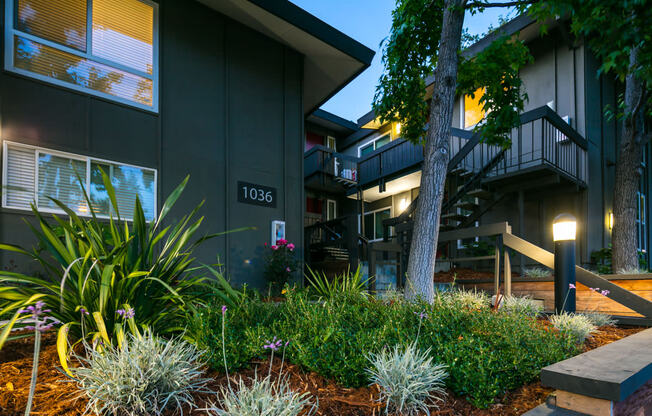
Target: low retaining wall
[
  {"x": 587, "y": 300},
  {"x": 613, "y": 380}
]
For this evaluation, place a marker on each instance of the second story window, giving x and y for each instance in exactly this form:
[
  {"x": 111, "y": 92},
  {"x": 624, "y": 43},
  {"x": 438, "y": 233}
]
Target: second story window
[
  {"x": 103, "y": 47},
  {"x": 472, "y": 111},
  {"x": 375, "y": 144}
]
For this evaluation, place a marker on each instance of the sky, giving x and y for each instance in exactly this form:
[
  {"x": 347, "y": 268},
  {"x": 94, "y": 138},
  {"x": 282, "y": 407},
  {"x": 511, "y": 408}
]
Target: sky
[{"x": 369, "y": 22}]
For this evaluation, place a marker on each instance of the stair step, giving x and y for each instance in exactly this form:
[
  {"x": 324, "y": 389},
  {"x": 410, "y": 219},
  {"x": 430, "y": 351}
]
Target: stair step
[
  {"x": 469, "y": 206},
  {"x": 454, "y": 216},
  {"x": 457, "y": 170},
  {"x": 480, "y": 193},
  {"x": 467, "y": 173}
]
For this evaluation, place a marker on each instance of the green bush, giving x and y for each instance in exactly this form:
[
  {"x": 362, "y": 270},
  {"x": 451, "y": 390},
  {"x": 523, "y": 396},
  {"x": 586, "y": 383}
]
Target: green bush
[
  {"x": 486, "y": 352},
  {"x": 109, "y": 277}
]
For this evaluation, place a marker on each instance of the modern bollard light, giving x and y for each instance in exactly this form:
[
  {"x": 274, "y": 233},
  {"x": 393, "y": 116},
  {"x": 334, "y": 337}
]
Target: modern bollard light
[{"x": 564, "y": 229}]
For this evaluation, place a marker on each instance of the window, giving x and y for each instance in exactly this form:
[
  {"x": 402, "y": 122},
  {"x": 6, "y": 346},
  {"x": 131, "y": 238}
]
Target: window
[
  {"x": 34, "y": 175},
  {"x": 375, "y": 144},
  {"x": 104, "y": 47},
  {"x": 472, "y": 110},
  {"x": 331, "y": 142},
  {"x": 331, "y": 209},
  {"x": 373, "y": 223}
]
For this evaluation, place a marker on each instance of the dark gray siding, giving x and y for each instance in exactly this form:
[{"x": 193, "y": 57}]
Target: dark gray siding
[{"x": 230, "y": 110}]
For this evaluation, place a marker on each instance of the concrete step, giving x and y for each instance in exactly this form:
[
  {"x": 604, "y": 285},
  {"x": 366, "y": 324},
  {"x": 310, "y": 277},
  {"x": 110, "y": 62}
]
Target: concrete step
[{"x": 454, "y": 217}]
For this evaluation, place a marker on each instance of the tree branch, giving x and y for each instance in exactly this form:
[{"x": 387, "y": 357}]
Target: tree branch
[{"x": 505, "y": 4}]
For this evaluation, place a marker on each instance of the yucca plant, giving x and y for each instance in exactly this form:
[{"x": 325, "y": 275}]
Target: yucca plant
[
  {"x": 343, "y": 284},
  {"x": 95, "y": 268}
]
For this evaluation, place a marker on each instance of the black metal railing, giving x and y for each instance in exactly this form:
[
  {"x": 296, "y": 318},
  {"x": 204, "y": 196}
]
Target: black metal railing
[
  {"x": 321, "y": 159},
  {"x": 542, "y": 140}
]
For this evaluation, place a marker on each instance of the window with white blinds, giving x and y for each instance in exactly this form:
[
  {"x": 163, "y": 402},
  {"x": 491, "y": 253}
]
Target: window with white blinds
[
  {"x": 37, "y": 175},
  {"x": 103, "y": 47}
]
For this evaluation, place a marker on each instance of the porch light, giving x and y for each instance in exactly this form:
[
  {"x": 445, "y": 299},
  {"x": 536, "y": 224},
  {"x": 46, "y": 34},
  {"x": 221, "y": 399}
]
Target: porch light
[
  {"x": 564, "y": 227},
  {"x": 398, "y": 129},
  {"x": 403, "y": 204},
  {"x": 564, "y": 230},
  {"x": 610, "y": 221}
]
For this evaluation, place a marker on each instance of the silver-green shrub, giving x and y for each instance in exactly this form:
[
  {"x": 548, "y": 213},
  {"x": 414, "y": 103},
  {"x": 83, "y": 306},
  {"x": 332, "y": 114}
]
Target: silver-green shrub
[
  {"x": 578, "y": 326},
  {"x": 633, "y": 271},
  {"x": 408, "y": 379},
  {"x": 537, "y": 273},
  {"x": 147, "y": 376},
  {"x": 471, "y": 299},
  {"x": 522, "y": 305},
  {"x": 600, "y": 319},
  {"x": 263, "y": 397}
]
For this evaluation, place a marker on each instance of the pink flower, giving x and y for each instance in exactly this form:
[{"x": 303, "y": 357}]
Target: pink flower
[
  {"x": 571, "y": 286},
  {"x": 291, "y": 246},
  {"x": 595, "y": 289},
  {"x": 274, "y": 247},
  {"x": 282, "y": 242},
  {"x": 223, "y": 309},
  {"x": 273, "y": 345},
  {"x": 605, "y": 292},
  {"x": 265, "y": 244},
  {"x": 287, "y": 269}
]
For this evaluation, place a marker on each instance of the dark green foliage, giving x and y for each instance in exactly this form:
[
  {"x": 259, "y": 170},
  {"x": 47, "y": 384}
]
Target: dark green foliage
[
  {"x": 410, "y": 56},
  {"x": 602, "y": 259},
  {"x": 487, "y": 353},
  {"x": 280, "y": 263}
]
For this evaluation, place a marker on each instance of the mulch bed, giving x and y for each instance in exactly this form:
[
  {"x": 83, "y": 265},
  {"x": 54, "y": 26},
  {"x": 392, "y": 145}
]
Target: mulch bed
[{"x": 57, "y": 396}]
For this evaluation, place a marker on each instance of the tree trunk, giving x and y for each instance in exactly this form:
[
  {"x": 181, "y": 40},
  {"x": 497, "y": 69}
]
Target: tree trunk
[
  {"x": 423, "y": 250},
  {"x": 628, "y": 174}
]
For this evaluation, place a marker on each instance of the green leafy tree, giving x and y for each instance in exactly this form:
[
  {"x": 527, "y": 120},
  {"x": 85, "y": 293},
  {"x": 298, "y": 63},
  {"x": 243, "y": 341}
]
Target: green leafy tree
[
  {"x": 426, "y": 39},
  {"x": 619, "y": 33}
]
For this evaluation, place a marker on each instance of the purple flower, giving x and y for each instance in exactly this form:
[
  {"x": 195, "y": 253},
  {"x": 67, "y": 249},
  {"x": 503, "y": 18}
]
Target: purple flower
[
  {"x": 126, "y": 314},
  {"x": 121, "y": 312},
  {"x": 40, "y": 323},
  {"x": 605, "y": 292},
  {"x": 571, "y": 286},
  {"x": 224, "y": 309},
  {"x": 273, "y": 345},
  {"x": 83, "y": 311},
  {"x": 595, "y": 289},
  {"x": 287, "y": 343},
  {"x": 421, "y": 314},
  {"x": 287, "y": 269}
]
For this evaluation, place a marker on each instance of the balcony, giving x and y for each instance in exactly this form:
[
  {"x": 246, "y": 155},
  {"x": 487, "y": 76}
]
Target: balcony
[
  {"x": 543, "y": 145},
  {"x": 329, "y": 171}
]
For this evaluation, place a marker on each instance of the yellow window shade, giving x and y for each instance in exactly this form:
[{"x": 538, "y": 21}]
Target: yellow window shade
[
  {"x": 473, "y": 112},
  {"x": 61, "y": 21},
  {"x": 123, "y": 32}
]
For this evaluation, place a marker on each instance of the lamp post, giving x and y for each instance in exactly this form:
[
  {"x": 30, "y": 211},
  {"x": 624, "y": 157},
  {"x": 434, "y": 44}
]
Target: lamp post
[{"x": 564, "y": 228}]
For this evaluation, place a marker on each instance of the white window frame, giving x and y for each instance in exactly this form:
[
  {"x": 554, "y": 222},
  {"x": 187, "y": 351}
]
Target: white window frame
[
  {"x": 374, "y": 214},
  {"x": 331, "y": 143},
  {"x": 334, "y": 202},
  {"x": 11, "y": 31},
  {"x": 373, "y": 142},
  {"x": 87, "y": 159}
]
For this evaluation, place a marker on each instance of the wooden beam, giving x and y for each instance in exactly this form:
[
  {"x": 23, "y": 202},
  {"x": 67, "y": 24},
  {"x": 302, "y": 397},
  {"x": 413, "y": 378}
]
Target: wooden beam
[{"x": 481, "y": 231}]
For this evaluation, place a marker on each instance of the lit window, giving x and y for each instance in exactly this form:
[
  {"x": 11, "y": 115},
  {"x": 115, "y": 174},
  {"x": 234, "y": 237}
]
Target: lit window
[
  {"x": 374, "y": 145},
  {"x": 49, "y": 41},
  {"x": 37, "y": 175},
  {"x": 473, "y": 112}
]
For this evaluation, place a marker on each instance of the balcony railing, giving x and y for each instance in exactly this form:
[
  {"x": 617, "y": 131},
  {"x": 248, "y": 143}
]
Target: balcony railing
[
  {"x": 543, "y": 140},
  {"x": 320, "y": 159}
]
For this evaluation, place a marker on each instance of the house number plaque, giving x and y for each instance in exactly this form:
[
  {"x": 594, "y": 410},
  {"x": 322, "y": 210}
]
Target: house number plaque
[{"x": 254, "y": 194}]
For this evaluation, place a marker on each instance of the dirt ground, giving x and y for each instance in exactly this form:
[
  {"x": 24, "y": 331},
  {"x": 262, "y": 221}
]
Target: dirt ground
[{"x": 57, "y": 395}]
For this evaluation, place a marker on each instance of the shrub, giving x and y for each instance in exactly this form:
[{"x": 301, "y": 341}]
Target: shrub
[
  {"x": 280, "y": 263},
  {"x": 578, "y": 326},
  {"x": 408, "y": 379},
  {"x": 146, "y": 376},
  {"x": 97, "y": 267},
  {"x": 465, "y": 298},
  {"x": 333, "y": 337},
  {"x": 599, "y": 319},
  {"x": 343, "y": 284},
  {"x": 522, "y": 305},
  {"x": 537, "y": 273},
  {"x": 263, "y": 397},
  {"x": 633, "y": 271}
]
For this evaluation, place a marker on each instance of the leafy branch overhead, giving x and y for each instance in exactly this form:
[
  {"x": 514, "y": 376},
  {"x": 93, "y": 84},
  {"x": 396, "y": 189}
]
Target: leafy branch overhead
[{"x": 410, "y": 56}]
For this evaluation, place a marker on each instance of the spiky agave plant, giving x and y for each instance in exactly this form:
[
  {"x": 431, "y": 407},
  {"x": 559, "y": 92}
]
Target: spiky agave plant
[
  {"x": 97, "y": 267},
  {"x": 343, "y": 284}
]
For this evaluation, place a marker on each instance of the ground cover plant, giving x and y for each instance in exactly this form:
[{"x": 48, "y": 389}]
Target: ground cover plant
[{"x": 486, "y": 352}]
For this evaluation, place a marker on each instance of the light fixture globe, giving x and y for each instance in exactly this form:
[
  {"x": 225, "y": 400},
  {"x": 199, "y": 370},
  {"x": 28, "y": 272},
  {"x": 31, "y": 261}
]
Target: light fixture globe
[{"x": 564, "y": 227}]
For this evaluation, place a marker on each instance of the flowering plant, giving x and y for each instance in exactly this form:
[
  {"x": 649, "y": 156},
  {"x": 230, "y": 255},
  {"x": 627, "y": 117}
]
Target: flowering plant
[{"x": 280, "y": 263}]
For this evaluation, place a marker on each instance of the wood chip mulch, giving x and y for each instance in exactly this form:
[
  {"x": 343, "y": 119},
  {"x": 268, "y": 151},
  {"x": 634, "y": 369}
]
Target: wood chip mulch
[{"x": 56, "y": 395}]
